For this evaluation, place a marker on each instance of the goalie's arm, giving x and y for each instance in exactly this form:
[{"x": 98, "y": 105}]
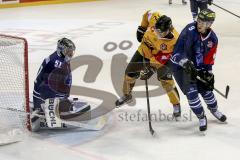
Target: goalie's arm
[
  {"x": 39, "y": 81},
  {"x": 40, "y": 75}
]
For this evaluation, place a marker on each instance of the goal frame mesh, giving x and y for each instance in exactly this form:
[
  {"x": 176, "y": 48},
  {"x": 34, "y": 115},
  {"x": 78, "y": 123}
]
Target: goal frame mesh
[{"x": 26, "y": 77}]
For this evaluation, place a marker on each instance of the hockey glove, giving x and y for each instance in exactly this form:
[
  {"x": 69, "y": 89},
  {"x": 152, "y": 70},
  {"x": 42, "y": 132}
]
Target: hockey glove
[
  {"x": 140, "y": 33},
  {"x": 189, "y": 68},
  {"x": 208, "y": 77},
  {"x": 147, "y": 73},
  {"x": 210, "y": 2}
]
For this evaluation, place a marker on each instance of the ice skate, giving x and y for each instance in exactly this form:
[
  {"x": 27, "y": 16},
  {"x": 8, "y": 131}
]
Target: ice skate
[
  {"x": 123, "y": 100},
  {"x": 203, "y": 124},
  {"x": 221, "y": 117},
  {"x": 177, "y": 111}
]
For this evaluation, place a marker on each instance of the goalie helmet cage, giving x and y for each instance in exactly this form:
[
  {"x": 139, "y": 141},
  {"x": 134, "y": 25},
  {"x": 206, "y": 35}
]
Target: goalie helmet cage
[{"x": 14, "y": 89}]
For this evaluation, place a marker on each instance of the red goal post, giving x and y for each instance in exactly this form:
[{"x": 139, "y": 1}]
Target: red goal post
[{"x": 14, "y": 84}]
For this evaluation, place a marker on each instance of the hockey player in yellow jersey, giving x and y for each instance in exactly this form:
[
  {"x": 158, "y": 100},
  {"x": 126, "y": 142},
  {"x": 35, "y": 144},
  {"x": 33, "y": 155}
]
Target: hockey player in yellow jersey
[{"x": 157, "y": 37}]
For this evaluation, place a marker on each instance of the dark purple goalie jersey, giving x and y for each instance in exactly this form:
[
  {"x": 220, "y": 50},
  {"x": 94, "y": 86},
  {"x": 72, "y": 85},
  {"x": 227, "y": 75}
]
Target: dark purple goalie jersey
[{"x": 54, "y": 78}]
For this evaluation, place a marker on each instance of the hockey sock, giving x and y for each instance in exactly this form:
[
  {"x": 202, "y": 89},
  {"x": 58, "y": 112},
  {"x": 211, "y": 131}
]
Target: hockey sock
[
  {"x": 195, "y": 103},
  {"x": 210, "y": 100},
  {"x": 128, "y": 84}
]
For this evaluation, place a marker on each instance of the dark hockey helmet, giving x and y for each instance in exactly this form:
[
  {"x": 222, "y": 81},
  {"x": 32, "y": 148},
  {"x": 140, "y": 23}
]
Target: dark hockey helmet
[
  {"x": 65, "y": 45},
  {"x": 164, "y": 23},
  {"x": 207, "y": 15}
]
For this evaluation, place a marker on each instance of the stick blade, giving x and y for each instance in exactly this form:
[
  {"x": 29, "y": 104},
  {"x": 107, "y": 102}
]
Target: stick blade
[
  {"x": 227, "y": 91},
  {"x": 152, "y": 132}
]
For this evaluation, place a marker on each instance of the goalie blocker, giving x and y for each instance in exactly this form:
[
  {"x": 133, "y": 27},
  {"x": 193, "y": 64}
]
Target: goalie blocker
[{"x": 57, "y": 112}]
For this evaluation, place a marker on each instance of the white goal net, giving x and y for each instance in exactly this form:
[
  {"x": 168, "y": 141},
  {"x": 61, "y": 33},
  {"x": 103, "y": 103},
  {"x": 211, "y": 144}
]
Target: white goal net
[{"x": 14, "y": 91}]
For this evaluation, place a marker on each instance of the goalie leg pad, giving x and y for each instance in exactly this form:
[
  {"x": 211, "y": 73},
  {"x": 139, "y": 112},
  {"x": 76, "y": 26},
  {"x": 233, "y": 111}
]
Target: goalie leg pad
[{"x": 52, "y": 113}]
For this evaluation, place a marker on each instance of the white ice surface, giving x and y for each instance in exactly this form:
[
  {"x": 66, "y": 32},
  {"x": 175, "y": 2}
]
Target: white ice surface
[{"x": 121, "y": 139}]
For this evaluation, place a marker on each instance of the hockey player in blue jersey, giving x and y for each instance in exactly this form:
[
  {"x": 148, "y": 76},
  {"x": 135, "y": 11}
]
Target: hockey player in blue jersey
[
  {"x": 195, "y": 5},
  {"x": 54, "y": 76},
  {"x": 193, "y": 57},
  {"x": 53, "y": 83}
]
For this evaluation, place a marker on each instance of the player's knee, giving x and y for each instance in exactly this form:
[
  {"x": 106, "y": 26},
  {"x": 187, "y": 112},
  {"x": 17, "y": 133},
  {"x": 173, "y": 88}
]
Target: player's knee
[{"x": 168, "y": 85}]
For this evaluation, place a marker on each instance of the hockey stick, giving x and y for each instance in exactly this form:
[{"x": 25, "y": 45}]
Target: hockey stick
[
  {"x": 222, "y": 94},
  {"x": 98, "y": 124},
  {"x": 148, "y": 109},
  {"x": 226, "y": 92},
  {"x": 205, "y": 82},
  {"x": 148, "y": 103},
  {"x": 226, "y": 10}
]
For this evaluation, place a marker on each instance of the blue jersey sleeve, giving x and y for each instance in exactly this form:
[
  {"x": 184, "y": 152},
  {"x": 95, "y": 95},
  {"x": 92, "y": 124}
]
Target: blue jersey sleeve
[
  {"x": 40, "y": 78},
  {"x": 183, "y": 45}
]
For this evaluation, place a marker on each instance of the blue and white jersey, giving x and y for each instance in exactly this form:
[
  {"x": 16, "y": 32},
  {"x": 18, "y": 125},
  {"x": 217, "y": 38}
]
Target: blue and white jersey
[
  {"x": 193, "y": 46},
  {"x": 54, "y": 78}
]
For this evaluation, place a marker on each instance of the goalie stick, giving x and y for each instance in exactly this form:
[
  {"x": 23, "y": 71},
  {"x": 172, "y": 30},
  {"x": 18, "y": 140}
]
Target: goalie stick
[
  {"x": 96, "y": 124},
  {"x": 100, "y": 122}
]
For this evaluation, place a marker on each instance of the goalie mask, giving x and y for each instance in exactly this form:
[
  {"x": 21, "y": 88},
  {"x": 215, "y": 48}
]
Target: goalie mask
[
  {"x": 66, "y": 47},
  {"x": 205, "y": 20}
]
